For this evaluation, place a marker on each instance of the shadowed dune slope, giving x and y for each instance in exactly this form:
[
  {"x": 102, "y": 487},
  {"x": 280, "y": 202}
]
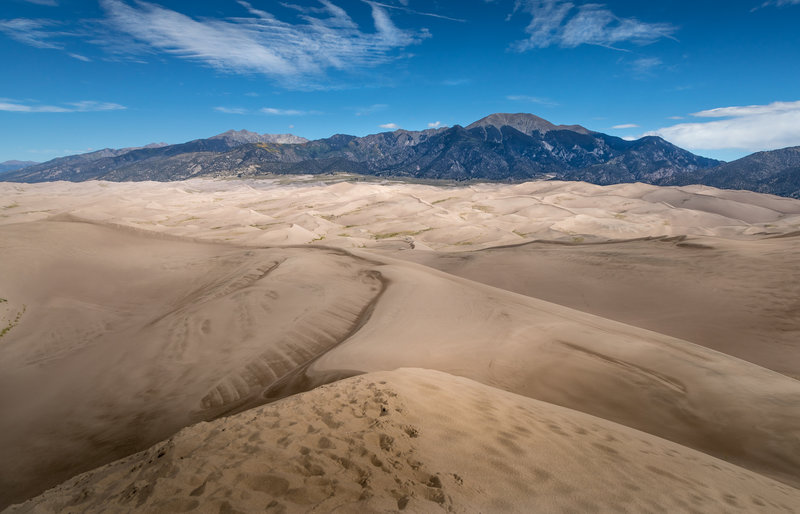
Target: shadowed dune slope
[
  {"x": 125, "y": 338},
  {"x": 415, "y": 440}
]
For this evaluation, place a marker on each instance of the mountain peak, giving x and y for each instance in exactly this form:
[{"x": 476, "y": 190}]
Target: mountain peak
[
  {"x": 245, "y": 136},
  {"x": 524, "y": 122}
]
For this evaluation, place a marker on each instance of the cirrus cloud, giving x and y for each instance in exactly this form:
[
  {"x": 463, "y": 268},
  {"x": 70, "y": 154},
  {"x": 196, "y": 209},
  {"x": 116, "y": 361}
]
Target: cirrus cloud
[
  {"x": 36, "y": 33},
  {"x": 531, "y": 99},
  {"x": 562, "y": 23},
  {"x": 293, "y": 54},
  {"x": 8, "y": 105}
]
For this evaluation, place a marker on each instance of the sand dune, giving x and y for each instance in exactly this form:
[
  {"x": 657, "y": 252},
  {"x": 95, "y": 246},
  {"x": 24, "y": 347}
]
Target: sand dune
[
  {"x": 130, "y": 311},
  {"x": 126, "y": 339},
  {"x": 664, "y": 386},
  {"x": 416, "y": 441},
  {"x": 357, "y": 214},
  {"x": 740, "y": 297}
]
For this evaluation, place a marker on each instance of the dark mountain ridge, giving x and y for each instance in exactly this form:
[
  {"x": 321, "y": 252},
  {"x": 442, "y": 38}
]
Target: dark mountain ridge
[
  {"x": 499, "y": 147},
  {"x": 776, "y": 172}
]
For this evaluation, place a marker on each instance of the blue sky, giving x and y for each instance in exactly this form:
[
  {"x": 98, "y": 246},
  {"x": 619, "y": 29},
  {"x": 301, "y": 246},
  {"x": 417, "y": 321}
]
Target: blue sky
[{"x": 719, "y": 78}]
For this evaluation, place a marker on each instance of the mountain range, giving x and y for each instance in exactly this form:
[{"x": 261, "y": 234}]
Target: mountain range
[
  {"x": 15, "y": 165},
  {"x": 499, "y": 147}
]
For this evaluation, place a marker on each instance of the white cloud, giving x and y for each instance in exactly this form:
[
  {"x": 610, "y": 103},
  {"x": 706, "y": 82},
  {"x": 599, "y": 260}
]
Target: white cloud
[
  {"x": 391, "y": 126},
  {"x": 674, "y": 117},
  {"x": 561, "y": 23},
  {"x": 365, "y": 111},
  {"x": 271, "y": 111},
  {"x": 31, "y": 32},
  {"x": 231, "y": 110},
  {"x": 420, "y": 13},
  {"x": 51, "y": 3},
  {"x": 261, "y": 43},
  {"x": 82, "y": 106},
  {"x": 748, "y": 110},
  {"x": 456, "y": 82},
  {"x": 752, "y": 127},
  {"x": 625, "y": 126},
  {"x": 777, "y": 3},
  {"x": 645, "y": 66},
  {"x": 286, "y": 112},
  {"x": 531, "y": 99},
  {"x": 435, "y": 124}
]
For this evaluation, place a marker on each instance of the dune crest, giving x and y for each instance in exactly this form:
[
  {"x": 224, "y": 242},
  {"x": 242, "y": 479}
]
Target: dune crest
[{"x": 415, "y": 440}]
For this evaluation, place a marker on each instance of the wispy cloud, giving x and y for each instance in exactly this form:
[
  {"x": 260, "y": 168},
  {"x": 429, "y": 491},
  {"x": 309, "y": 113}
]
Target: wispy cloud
[
  {"x": 531, "y": 99},
  {"x": 82, "y": 106},
  {"x": 50, "y": 3},
  {"x": 456, "y": 82},
  {"x": 675, "y": 117},
  {"x": 286, "y": 112},
  {"x": 645, "y": 66},
  {"x": 751, "y": 127},
  {"x": 372, "y": 109},
  {"x": 562, "y": 23},
  {"x": 776, "y": 3},
  {"x": 294, "y": 54},
  {"x": 420, "y": 13},
  {"x": 390, "y": 126},
  {"x": 270, "y": 111},
  {"x": 625, "y": 126},
  {"x": 36, "y": 33},
  {"x": 435, "y": 124},
  {"x": 231, "y": 110}
]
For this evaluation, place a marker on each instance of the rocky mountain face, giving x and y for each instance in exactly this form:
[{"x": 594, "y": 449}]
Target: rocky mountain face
[
  {"x": 74, "y": 168},
  {"x": 776, "y": 172},
  {"x": 525, "y": 123},
  {"x": 498, "y": 147},
  {"x": 239, "y": 137}
]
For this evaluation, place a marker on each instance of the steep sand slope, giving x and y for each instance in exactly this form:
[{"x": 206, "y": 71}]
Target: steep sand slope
[
  {"x": 416, "y": 441},
  {"x": 125, "y": 339},
  {"x": 740, "y": 297},
  {"x": 664, "y": 386}
]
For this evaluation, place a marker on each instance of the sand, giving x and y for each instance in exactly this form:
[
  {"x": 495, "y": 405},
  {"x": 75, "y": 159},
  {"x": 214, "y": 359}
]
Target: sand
[
  {"x": 417, "y": 441},
  {"x": 662, "y": 320}
]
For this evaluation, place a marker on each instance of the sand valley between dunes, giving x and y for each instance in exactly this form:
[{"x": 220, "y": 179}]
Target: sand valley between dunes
[{"x": 295, "y": 345}]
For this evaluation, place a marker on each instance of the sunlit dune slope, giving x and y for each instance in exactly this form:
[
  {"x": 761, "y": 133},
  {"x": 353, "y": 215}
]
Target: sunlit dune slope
[
  {"x": 415, "y": 440},
  {"x": 740, "y": 297}
]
